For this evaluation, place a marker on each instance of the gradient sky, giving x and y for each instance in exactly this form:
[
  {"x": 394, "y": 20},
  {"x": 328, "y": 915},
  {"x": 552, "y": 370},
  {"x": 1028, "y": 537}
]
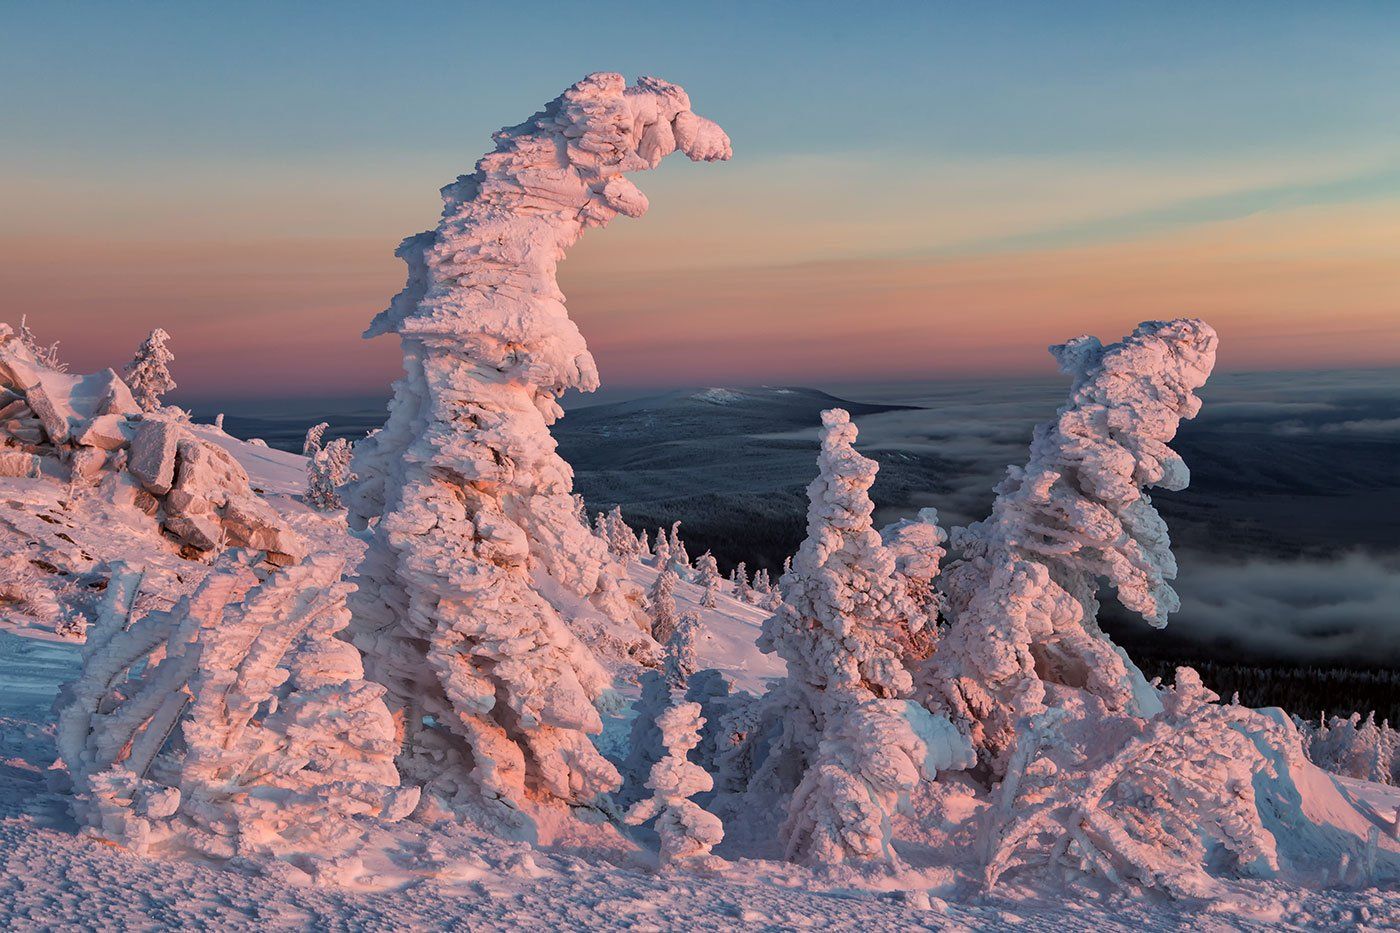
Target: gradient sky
[{"x": 918, "y": 190}]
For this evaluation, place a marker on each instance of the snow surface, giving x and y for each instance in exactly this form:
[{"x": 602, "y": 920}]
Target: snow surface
[{"x": 437, "y": 876}]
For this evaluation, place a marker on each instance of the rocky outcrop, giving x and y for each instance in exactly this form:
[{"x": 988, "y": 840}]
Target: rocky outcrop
[{"x": 90, "y": 430}]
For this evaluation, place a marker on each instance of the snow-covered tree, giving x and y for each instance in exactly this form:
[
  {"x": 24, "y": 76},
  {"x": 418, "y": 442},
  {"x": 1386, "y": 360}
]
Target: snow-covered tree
[
  {"x": 312, "y": 443},
  {"x": 708, "y": 578},
  {"x": 1355, "y": 747},
  {"x": 917, "y": 546},
  {"x": 852, "y": 741},
  {"x": 661, "y": 602},
  {"x": 620, "y": 537},
  {"x": 148, "y": 374},
  {"x": 1023, "y": 596},
  {"x": 235, "y": 723},
  {"x": 46, "y": 355},
  {"x": 680, "y": 559},
  {"x": 326, "y": 472},
  {"x": 659, "y": 690},
  {"x": 477, "y": 555},
  {"x": 1155, "y": 802},
  {"x": 739, "y": 577},
  {"x": 687, "y": 832},
  {"x": 661, "y": 551},
  {"x": 643, "y": 545}
]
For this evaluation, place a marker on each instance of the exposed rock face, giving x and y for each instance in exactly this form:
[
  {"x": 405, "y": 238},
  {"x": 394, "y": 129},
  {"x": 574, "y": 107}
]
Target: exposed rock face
[
  {"x": 152, "y": 455},
  {"x": 92, "y": 426}
]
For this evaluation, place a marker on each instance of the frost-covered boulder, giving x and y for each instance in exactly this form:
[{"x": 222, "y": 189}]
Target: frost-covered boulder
[
  {"x": 234, "y": 724},
  {"x": 91, "y": 429},
  {"x": 849, "y": 747},
  {"x": 1023, "y": 596},
  {"x": 478, "y": 569}
]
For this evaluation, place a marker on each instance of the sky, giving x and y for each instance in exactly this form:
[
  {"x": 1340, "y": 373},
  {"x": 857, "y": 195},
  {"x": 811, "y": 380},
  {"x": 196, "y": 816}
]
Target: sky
[{"x": 918, "y": 191}]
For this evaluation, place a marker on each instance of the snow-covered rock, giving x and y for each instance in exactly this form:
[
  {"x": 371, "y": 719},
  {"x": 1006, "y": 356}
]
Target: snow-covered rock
[{"x": 90, "y": 430}]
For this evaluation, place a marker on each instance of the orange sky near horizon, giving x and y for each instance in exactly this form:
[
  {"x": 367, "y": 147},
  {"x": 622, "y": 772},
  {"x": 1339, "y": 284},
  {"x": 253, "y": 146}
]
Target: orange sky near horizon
[{"x": 1314, "y": 287}]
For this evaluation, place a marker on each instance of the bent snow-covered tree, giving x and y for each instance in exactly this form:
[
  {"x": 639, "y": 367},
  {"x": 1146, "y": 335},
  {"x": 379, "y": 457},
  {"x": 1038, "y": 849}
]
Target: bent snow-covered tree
[
  {"x": 1023, "y": 596},
  {"x": 148, "y": 374},
  {"x": 235, "y": 723},
  {"x": 852, "y": 742},
  {"x": 477, "y": 542}
]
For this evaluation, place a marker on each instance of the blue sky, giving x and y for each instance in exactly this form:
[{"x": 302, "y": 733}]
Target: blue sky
[{"x": 856, "y": 129}]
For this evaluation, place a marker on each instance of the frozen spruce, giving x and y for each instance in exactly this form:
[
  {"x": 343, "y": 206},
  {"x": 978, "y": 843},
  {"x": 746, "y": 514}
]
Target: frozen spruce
[
  {"x": 687, "y": 832},
  {"x": 312, "y": 441},
  {"x": 661, "y": 603},
  {"x": 917, "y": 546},
  {"x": 477, "y": 555},
  {"x": 148, "y": 374},
  {"x": 851, "y": 740},
  {"x": 708, "y": 578},
  {"x": 234, "y": 724},
  {"x": 327, "y": 471},
  {"x": 1023, "y": 598},
  {"x": 659, "y": 690}
]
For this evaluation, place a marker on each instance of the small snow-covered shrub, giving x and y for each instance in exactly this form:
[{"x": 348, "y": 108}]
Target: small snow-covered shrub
[
  {"x": 235, "y": 723},
  {"x": 148, "y": 374},
  {"x": 687, "y": 832},
  {"x": 1164, "y": 802}
]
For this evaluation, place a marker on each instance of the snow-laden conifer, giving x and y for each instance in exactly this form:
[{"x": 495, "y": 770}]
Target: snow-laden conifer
[
  {"x": 850, "y": 739},
  {"x": 661, "y": 603},
  {"x": 687, "y": 832},
  {"x": 148, "y": 373},
  {"x": 235, "y": 723},
  {"x": 312, "y": 441},
  {"x": 326, "y": 472},
  {"x": 707, "y": 577},
  {"x": 1023, "y": 596},
  {"x": 477, "y": 560}
]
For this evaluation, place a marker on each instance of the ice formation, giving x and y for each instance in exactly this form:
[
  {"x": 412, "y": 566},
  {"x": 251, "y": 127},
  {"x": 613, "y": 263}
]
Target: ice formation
[
  {"x": 148, "y": 373},
  {"x": 90, "y": 431},
  {"x": 235, "y": 723},
  {"x": 1023, "y": 597},
  {"x": 476, "y": 543},
  {"x": 852, "y": 741}
]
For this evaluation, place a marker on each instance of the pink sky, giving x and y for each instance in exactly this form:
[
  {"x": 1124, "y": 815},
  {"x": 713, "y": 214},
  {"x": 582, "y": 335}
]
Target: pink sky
[{"x": 675, "y": 301}]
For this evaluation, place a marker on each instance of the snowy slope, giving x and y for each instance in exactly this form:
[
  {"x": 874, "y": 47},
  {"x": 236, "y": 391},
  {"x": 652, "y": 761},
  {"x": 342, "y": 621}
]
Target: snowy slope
[{"x": 434, "y": 876}]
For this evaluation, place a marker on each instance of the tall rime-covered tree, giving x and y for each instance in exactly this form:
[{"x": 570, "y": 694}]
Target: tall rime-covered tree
[
  {"x": 852, "y": 742},
  {"x": 471, "y": 506},
  {"x": 1023, "y": 597}
]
